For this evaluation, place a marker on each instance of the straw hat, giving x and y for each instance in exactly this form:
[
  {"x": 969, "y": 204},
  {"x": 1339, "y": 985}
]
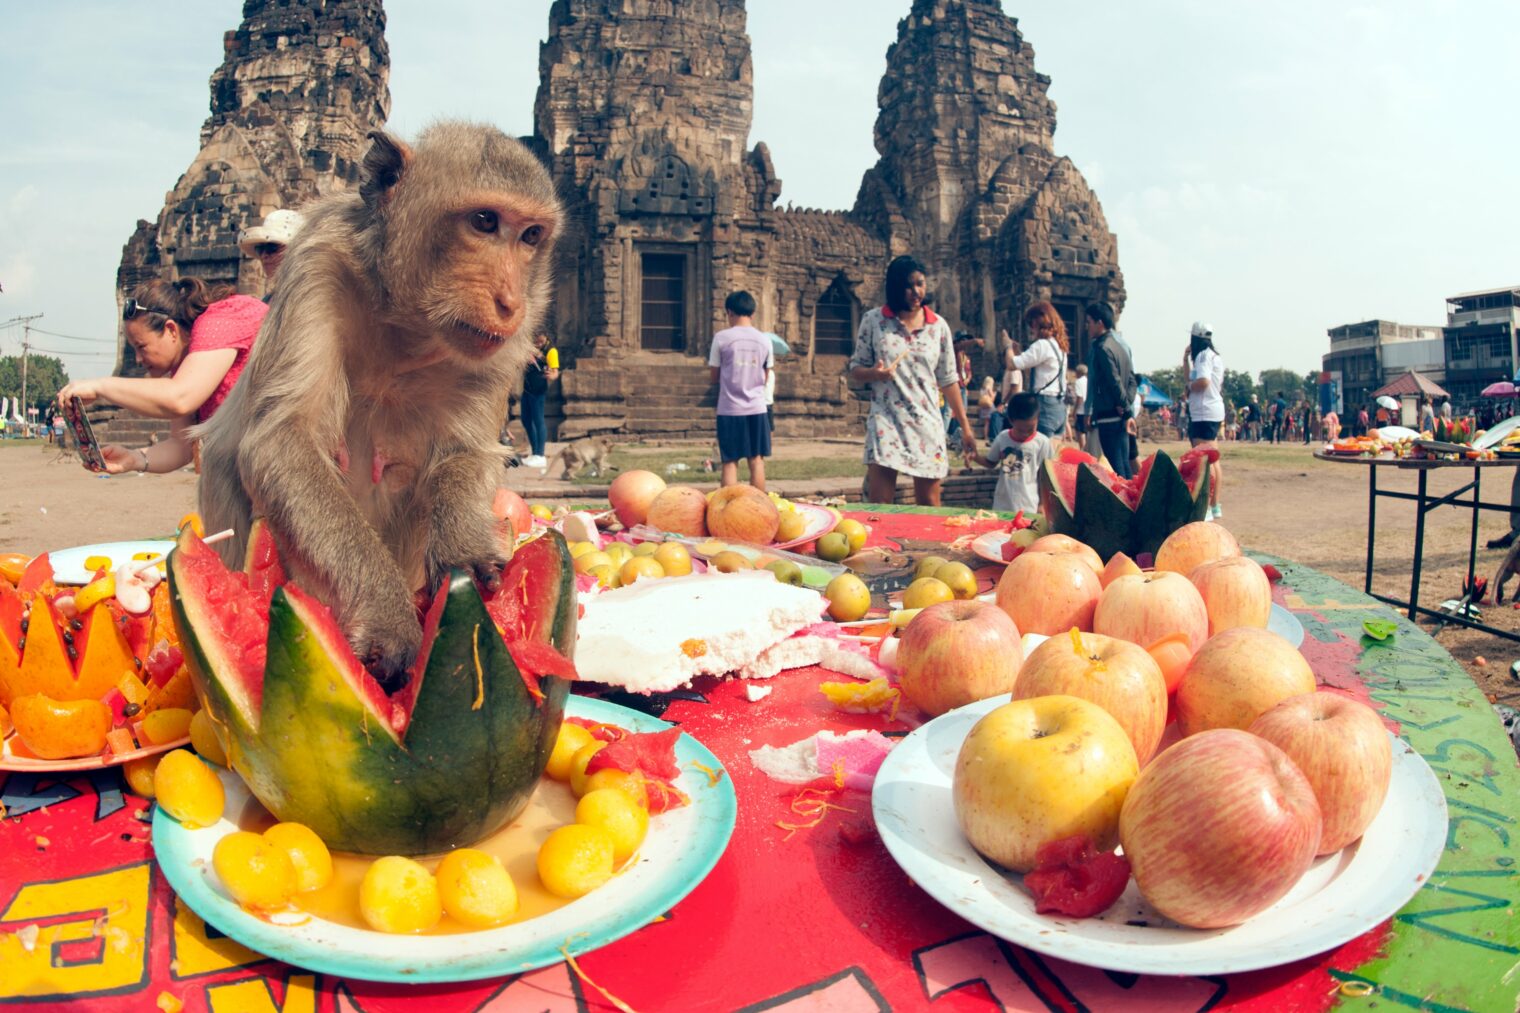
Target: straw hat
[{"x": 279, "y": 227}]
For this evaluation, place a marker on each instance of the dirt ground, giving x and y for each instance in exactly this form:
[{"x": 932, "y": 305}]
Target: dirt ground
[{"x": 1276, "y": 499}]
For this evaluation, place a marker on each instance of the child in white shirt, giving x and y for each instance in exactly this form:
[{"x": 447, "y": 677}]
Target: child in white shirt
[{"x": 1018, "y": 452}]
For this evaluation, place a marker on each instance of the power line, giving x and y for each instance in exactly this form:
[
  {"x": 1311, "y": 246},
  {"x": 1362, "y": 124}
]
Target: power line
[
  {"x": 71, "y": 337},
  {"x": 75, "y": 355}
]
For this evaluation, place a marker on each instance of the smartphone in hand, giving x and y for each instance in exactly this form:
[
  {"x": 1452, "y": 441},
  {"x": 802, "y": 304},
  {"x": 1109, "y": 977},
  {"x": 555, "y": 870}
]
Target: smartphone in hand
[{"x": 84, "y": 435}]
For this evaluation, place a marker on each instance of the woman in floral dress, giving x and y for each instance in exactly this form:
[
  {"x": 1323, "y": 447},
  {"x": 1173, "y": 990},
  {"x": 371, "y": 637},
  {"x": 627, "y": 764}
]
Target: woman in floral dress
[{"x": 906, "y": 352}]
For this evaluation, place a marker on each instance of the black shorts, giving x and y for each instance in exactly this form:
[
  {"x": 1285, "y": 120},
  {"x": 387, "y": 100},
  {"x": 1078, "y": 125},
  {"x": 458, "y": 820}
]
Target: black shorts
[
  {"x": 1203, "y": 430},
  {"x": 743, "y": 436}
]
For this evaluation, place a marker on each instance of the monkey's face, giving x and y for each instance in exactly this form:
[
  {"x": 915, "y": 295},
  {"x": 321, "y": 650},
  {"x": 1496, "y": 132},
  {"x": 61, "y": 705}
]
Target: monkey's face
[{"x": 498, "y": 251}]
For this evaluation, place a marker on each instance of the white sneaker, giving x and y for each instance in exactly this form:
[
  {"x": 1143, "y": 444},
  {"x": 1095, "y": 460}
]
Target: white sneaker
[
  {"x": 535, "y": 461},
  {"x": 1216, "y": 512}
]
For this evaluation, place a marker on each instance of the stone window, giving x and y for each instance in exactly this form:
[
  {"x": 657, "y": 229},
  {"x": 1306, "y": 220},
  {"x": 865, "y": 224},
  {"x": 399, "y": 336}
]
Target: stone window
[
  {"x": 662, "y": 304},
  {"x": 834, "y": 321}
]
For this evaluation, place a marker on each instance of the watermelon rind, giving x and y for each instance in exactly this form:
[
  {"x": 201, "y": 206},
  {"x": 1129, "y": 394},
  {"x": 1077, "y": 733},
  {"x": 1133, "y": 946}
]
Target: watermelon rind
[
  {"x": 1107, "y": 522},
  {"x": 1166, "y": 504},
  {"x": 322, "y": 754}
]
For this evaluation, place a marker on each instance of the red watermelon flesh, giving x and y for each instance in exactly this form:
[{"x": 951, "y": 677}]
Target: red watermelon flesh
[{"x": 1192, "y": 465}]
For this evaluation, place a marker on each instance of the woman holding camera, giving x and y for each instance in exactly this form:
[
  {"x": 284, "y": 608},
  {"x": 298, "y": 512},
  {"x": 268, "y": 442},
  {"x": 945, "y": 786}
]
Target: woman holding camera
[{"x": 194, "y": 340}]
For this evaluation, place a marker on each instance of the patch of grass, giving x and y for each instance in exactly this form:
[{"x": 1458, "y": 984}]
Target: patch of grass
[
  {"x": 658, "y": 461},
  {"x": 10, "y": 444}
]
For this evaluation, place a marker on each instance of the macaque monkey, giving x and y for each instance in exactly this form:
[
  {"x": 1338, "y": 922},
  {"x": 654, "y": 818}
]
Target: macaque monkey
[
  {"x": 365, "y": 424},
  {"x": 589, "y": 452}
]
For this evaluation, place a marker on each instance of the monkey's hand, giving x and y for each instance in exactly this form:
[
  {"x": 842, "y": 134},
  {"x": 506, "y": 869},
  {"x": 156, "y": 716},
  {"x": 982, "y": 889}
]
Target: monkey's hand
[
  {"x": 386, "y": 639},
  {"x": 463, "y": 532}
]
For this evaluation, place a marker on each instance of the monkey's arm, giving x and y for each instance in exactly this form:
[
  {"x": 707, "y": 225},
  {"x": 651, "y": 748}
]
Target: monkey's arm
[
  {"x": 297, "y": 485},
  {"x": 460, "y": 487}
]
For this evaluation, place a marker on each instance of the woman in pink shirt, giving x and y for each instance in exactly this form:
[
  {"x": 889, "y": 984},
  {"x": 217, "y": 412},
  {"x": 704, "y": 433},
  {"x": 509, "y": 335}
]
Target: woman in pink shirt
[{"x": 193, "y": 340}]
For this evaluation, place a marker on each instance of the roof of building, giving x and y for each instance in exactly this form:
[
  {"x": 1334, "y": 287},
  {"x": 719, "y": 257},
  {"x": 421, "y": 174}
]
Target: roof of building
[
  {"x": 1411, "y": 383},
  {"x": 1484, "y": 291}
]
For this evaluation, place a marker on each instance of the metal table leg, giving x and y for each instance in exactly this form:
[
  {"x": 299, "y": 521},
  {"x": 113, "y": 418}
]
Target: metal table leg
[
  {"x": 1372, "y": 494},
  {"x": 1419, "y": 545},
  {"x": 1472, "y": 540}
]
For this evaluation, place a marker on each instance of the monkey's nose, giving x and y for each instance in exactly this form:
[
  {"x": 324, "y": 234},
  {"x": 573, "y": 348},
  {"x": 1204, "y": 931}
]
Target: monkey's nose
[{"x": 508, "y": 309}]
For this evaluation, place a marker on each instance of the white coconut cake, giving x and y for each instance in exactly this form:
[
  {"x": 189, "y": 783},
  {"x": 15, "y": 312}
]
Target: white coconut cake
[{"x": 658, "y": 635}]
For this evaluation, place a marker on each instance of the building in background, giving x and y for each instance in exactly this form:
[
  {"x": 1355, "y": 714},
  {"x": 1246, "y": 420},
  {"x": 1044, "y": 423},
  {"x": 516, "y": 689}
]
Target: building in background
[
  {"x": 1480, "y": 341},
  {"x": 643, "y": 115},
  {"x": 1365, "y": 356}
]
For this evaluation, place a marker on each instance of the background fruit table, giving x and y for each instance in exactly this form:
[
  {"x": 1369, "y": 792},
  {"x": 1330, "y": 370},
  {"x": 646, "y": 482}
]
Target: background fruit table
[{"x": 819, "y": 919}]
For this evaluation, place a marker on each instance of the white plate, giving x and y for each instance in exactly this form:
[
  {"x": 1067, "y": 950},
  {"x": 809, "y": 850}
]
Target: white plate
[
  {"x": 1492, "y": 437},
  {"x": 682, "y": 847},
  {"x": 989, "y": 546},
  {"x": 1286, "y": 625},
  {"x": 1339, "y": 898},
  {"x": 68, "y": 564}
]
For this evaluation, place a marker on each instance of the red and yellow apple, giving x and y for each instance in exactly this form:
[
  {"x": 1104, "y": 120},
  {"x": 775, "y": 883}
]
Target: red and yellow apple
[
  {"x": 1218, "y": 828},
  {"x": 1192, "y": 545},
  {"x": 958, "y": 652},
  {"x": 1035, "y": 771},
  {"x": 1235, "y": 592},
  {"x": 631, "y": 494},
  {"x": 514, "y": 510},
  {"x": 1049, "y": 592},
  {"x": 1066, "y": 543},
  {"x": 1343, "y": 749},
  {"x": 1238, "y": 676},
  {"x": 1143, "y": 609},
  {"x": 1114, "y": 674},
  {"x": 744, "y": 514},
  {"x": 679, "y": 509}
]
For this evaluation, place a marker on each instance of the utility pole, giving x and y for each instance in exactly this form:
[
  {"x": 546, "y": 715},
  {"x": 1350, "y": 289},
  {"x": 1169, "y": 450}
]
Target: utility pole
[{"x": 26, "y": 347}]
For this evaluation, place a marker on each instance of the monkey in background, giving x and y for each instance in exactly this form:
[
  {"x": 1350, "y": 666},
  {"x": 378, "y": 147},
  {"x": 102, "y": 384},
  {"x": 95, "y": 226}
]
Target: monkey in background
[
  {"x": 592, "y": 452},
  {"x": 364, "y": 427}
]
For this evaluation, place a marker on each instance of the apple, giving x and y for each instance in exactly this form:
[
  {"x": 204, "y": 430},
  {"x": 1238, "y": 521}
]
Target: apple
[
  {"x": 632, "y": 493},
  {"x": 1343, "y": 749},
  {"x": 1114, "y": 674},
  {"x": 1066, "y": 543},
  {"x": 1118, "y": 566},
  {"x": 1049, "y": 592},
  {"x": 958, "y": 578},
  {"x": 680, "y": 509},
  {"x": 834, "y": 546},
  {"x": 958, "y": 652},
  {"x": 1238, "y": 676},
  {"x": 744, "y": 514},
  {"x": 1035, "y": 771},
  {"x": 1192, "y": 545},
  {"x": 507, "y": 506},
  {"x": 1235, "y": 592},
  {"x": 926, "y": 566},
  {"x": 849, "y": 599},
  {"x": 1218, "y": 828},
  {"x": 1143, "y": 609}
]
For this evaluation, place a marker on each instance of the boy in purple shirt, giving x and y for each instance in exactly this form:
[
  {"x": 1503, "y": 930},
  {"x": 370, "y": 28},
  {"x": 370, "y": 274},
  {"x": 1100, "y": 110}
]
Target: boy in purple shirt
[{"x": 741, "y": 360}]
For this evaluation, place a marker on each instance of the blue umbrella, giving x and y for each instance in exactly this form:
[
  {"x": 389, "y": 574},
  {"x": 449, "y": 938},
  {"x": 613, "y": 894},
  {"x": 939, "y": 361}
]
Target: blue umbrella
[{"x": 778, "y": 347}]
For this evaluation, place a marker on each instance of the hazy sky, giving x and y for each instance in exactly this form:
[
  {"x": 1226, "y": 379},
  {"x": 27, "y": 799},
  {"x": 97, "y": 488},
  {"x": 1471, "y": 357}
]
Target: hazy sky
[{"x": 1274, "y": 169}]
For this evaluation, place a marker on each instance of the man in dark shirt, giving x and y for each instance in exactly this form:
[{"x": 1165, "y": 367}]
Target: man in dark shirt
[
  {"x": 1110, "y": 387},
  {"x": 1279, "y": 418}
]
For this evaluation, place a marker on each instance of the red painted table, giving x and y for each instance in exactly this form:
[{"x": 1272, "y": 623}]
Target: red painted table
[{"x": 820, "y": 919}]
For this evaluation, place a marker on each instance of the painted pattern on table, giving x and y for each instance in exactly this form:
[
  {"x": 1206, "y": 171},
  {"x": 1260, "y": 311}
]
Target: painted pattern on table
[{"x": 817, "y": 919}]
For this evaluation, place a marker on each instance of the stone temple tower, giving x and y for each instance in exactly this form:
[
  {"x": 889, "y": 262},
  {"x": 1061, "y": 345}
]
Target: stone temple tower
[
  {"x": 302, "y": 83},
  {"x": 968, "y": 178}
]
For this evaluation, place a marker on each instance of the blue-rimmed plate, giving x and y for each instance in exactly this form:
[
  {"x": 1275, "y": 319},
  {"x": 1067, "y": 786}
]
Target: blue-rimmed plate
[
  {"x": 1286, "y": 625},
  {"x": 680, "y": 850}
]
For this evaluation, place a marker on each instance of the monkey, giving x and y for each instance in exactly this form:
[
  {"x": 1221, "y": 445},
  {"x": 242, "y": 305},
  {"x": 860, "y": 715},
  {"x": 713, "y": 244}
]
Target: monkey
[
  {"x": 364, "y": 426},
  {"x": 590, "y": 451}
]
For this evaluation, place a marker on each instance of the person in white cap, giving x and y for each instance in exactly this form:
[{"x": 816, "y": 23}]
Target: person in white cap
[
  {"x": 267, "y": 242},
  {"x": 1205, "y": 372}
]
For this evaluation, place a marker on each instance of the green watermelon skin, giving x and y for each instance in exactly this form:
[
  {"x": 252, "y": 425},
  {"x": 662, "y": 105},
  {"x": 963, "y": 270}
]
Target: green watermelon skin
[
  {"x": 325, "y": 750},
  {"x": 1166, "y": 504},
  {"x": 1091, "y": 512}
]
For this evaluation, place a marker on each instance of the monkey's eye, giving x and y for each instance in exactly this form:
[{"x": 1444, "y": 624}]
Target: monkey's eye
[
  {"x": 533, "y": 235},
  {"x": 484, "y": 221}
]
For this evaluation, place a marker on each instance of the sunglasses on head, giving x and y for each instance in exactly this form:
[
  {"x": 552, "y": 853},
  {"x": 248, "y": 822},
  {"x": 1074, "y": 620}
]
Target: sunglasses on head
[
  {"x": 268, "y": 249},
  {"x": 134, "y": 308}
]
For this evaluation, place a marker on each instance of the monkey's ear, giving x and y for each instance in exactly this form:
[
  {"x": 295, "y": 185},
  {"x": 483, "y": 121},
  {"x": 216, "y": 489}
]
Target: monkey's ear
[{"x": 384, "y": 164}]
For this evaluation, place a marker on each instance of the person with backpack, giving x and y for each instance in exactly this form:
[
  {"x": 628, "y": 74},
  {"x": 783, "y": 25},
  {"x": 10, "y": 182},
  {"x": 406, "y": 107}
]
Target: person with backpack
[{"x": 1046, "y": 356}]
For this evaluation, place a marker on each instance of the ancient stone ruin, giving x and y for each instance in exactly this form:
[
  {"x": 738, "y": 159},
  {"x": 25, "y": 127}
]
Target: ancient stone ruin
[
  {"x": 643, "y": 114},
  {"x": 302, "y": 83}
]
